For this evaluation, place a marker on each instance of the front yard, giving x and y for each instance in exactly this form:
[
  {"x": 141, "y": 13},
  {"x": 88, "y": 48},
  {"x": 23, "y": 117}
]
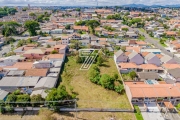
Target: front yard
[{"x": 90, "y": 95}]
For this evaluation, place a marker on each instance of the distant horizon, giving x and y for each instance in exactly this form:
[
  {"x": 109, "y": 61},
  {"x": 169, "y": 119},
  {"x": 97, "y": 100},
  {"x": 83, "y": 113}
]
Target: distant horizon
[
  {"x": 86, "y": 2},
  {"x": 86, "y": 5}
]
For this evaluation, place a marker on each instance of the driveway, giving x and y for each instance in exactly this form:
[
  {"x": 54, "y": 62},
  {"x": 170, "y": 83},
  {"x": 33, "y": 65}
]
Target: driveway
[
  {"x": 152, "y": 112},
  {"x": 157, "y": 45}
]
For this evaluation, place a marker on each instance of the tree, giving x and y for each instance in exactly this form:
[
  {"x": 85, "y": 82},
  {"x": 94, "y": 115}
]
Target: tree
[
  {"x": 57, "y": 94},
  {"x": 125, "y": 29},
  {"x": 78, "y": 9},
  {"x": 132, "y": 74},
  {"x": 115, "y": 76},
  {"x": 119, "y": 89},
  {"x": 54, "y": 52},
  {"x": 100, "y": 60},
  {"x": 48, "y": 46},
  {"x": 9, "y": 28},
  {"x": 107, "y": 81},
  {"x": 36, "y": 98},
  {"x": 178, "y": 106},
  {"x": 32, "y": 15},
  {"x": 68, "y": 27},
  {"x": 94, "y": 74},
  {"x": 75, "y": 44},
  {"x": 123, "y": 48},
  {"x": 32, "y": 26},
  {"x": 23, "y": 98},
  {"x": 11, "y": 98}
]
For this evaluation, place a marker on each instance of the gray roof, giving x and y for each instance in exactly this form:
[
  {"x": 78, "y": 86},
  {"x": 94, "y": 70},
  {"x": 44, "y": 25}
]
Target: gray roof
[
  {"x": 52, "y": 75},
  {"x": 110, "y": 49},
  {"x": 149, "y": 56},
  {"x": 54, "y": 70},
  {"x": 166, "y": 58},
  {"x": 3, "y": 94},
  {"x": 57, "y": 63},
  {"x": 131, "y": 55},
  {"x": 15, "y": 73},
  {"x": 174, "y": 72},
  {"x": 119, "y": 53},
  {"x": 148, "y": 75},
  {"x": 41, "y": 92},
  {"x": 46, "y": 83},
  {"x": 18, "y": 81}
]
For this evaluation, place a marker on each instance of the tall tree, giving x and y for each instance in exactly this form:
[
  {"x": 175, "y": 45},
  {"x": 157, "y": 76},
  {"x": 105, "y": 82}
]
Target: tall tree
[
  {"x": 32, "y": 26},
  {"x": 9, "y": 28}
]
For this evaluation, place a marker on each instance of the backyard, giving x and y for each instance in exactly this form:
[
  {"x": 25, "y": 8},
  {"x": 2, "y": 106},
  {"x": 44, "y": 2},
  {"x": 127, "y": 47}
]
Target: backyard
[{"x": 90, "y": 95}]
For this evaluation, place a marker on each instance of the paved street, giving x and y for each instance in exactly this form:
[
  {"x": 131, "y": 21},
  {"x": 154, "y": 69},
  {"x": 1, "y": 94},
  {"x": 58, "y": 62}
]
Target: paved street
[
  {"x": 7, "y": 48},
  {"x": 157, "y": 45}
]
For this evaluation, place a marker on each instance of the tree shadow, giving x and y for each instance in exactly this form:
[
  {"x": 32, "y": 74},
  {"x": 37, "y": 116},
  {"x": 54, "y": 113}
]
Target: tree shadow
[
  {"x": 104, "y": 65},
  {"x": 66, "y": 114}
]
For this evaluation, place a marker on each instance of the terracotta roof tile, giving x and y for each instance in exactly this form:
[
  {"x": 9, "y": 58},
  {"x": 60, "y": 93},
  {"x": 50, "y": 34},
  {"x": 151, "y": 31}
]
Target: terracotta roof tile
[{"x": 36, "y": 72}]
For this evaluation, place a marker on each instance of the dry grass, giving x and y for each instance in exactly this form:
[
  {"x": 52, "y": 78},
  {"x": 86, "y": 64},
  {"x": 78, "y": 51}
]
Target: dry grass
[{"x": 91, "y": 95}]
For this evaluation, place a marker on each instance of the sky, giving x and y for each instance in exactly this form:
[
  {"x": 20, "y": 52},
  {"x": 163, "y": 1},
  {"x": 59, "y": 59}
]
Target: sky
[{"x": 85, "y": 2}]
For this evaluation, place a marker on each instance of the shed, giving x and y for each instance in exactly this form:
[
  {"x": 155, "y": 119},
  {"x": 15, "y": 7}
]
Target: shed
[{"x": 16, "y": 73}]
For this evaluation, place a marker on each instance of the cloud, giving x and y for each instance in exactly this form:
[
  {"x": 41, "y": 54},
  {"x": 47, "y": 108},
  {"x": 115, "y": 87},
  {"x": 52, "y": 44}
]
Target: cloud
[{"x": 85, "y": 2}]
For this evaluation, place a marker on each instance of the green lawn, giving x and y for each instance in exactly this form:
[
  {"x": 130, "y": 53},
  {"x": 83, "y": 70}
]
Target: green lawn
[
  {"x": 126, "y": 77},
  {"x": 138, "y": 113},
  {"x": 163, "y": 44},
  {"x": 142, "y": 30},
  {"x": 141, "y": 38},
  {"x": 90, "y": 95}
]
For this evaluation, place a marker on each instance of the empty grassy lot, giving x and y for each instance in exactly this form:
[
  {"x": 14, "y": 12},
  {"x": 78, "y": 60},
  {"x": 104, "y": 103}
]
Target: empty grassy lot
[{"x": 90, "y": 95}]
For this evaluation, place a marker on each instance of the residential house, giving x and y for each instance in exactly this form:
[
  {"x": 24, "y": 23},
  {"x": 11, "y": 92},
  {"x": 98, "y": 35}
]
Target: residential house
[
  {"x": 19, "y": 66},
  {"x": 143, "y": 76},
  {"x": 82, "y": 28},
  {"x": 75, "y": 36},
  {"x": 36, "y": 54},
  {"x": 150, "y": 68},
  {"x": 65, "y": 40},
  {"x": 145, "y": 93},
  {"x": 56, "y": 31},
  {"x": 11, "y": 60},
  {"x": 175, "y": 74},
  {"x": 25, "y": 84},
  {"x": 120, "y": 56},
  {"x": 42, "y": 64},
  {"x": 151, "y": 50},
  {"x": 61, "y": 48},
  {"x": 127, "y": 67},
  {"x": 44, "y": 84},
  {"x": 36, "y": 72},
  {"x": 151, "y": 58},
  {"x": 166, "y": 59},
  {"x": 3, "y": 95},
  {"x": 55, "y": 57},
  {"x": 131, "y": 34},
  {"x": 170, "y": 33},
  {"x": 136, "y": 58}
]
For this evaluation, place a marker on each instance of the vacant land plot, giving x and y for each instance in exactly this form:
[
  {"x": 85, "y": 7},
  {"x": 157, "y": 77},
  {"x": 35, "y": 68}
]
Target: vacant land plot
[
  {"x": 91, "y": 95},
  {"x": 49, "y": 115}
]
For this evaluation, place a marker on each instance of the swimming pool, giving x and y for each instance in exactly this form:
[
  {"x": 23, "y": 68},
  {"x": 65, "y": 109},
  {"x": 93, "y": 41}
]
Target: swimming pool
[{"x": 151, "y": 82}]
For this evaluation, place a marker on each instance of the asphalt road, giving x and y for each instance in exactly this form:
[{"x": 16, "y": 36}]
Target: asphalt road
[
  {"x": 7, "y": 48},
  {"x": 157, "y": 45}
]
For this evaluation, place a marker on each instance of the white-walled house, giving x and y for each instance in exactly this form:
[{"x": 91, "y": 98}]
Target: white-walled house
[
  {"x": 120, "y": 56},
  {"x": 65, "y": 40}
]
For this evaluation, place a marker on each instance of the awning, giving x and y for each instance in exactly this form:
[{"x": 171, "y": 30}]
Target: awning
[{"x": 169, "y": 105}]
